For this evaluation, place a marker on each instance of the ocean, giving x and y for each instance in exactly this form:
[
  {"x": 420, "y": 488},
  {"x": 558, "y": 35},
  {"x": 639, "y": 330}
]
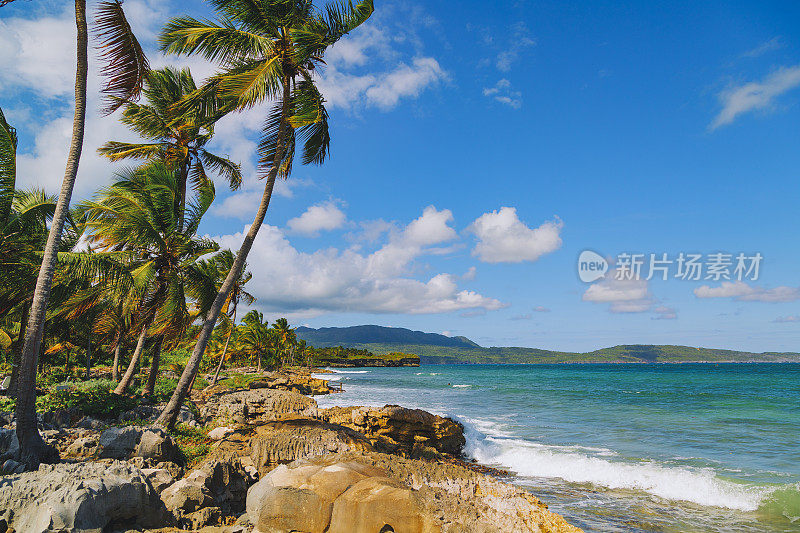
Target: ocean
[{"x": 621, "y": 448}]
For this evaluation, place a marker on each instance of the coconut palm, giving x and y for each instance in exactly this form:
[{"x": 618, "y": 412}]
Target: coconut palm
[
  {"x": 256, "y": 338},
  {"x": 124, "y": 68},
  {"x": 222, "y": 264},
  {"x": 269, "y": 50},
  {"x": 135, "y": 216},
  {"x": 284, "y": 339},
  {"x": 176, "y": 136}
]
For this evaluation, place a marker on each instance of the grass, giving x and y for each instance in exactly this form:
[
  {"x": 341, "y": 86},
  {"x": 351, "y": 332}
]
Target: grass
[{"x": 193, "y": 443}]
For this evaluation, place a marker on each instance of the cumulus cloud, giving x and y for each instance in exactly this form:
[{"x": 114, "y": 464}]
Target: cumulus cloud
[
  {"x": 503, "y": 93},
  {"x": 741, "y": 291},
  {"x": 347, "y": 280},
  {"x": 320, "y": 217},
  {"x": 663, "y": 312},
  {"x": 755, "y": 95},
  {"x": 504, "y": 238},
  {"x": 623, "y": 295}
]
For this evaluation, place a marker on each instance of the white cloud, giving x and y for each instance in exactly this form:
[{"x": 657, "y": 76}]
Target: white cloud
[
  {"x": 504, "y": 238},
  {"x": 741, "y": 291},
  {"x": 776, "y": 43},
  {"x": 333, "y": 280},
  {"x": 405, "y": 81},
  {"x": 320, "y": 217},
  {"x": 787, "y": 319},
  {"x": 755, "y": 95},
  {"x": 503, "y": 93},
  {"x": 624, "y": 296},
  {"x": 520, "y": 40},
  {"x": 541, "y": 309},
  {"x": 665, "y": 313},
  {"x": 470, "y": 274}
]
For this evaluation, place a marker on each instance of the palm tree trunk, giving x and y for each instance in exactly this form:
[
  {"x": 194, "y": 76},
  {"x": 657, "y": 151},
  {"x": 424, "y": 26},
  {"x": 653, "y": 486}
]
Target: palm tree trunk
[
  {"x": 115, "y": 369},
  {"x": 170, "y": 413},
  {"x": 33, "y": 449},
  {"x": 23, "y": 323},
  {"x": 125, "y": 382},
  {"x": 151, "y": 378},
  {"x": 224, "y": 350},
  {"x": 89, "y": 358}
]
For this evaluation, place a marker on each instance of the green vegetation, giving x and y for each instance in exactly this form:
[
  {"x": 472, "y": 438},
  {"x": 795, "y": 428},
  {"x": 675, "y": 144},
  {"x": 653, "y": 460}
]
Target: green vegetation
[
  {"x": 339, "y": 355},
  {"x": 193, "y": 443}
]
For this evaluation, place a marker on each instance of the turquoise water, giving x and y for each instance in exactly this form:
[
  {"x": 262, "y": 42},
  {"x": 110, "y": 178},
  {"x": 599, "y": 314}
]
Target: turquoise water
[{"x": 628, "y": 448}]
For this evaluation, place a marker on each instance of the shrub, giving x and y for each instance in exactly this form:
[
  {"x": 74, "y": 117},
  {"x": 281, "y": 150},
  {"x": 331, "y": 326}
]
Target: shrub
[
  {"x": 193, "y": 443},
  {"x": 93, "y": 398}
]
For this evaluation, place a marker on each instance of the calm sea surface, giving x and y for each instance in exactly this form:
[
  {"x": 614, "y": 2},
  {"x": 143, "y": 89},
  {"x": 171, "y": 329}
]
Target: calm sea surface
[{"x": 633, "y": 448}]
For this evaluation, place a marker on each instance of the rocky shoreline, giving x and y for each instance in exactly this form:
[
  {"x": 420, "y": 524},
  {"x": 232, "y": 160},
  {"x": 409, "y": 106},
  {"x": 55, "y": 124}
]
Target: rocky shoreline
[{"x": 274, "y": 462}]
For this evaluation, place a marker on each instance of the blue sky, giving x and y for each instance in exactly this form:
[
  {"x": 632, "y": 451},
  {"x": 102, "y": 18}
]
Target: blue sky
[{"x": 477, "y": 152}]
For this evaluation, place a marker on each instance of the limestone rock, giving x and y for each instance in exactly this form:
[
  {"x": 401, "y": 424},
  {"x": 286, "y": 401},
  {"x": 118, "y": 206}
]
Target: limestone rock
[
  {"x": 395, "y": 429},
  {"x": 157, "y": 445},
  {"x": 219, "y": 433},
  {"x": 248, "y": 406},
  {"x": 119, "y": 443},
  {"x": 283, "y": 442},
  {"x": 79, "y": 497},
  {"x": 315, "y": 497},
  {"x": 83, "y": 447},
  {"x": 380, "y": 504},
  {"x": 159, "y": 478}
]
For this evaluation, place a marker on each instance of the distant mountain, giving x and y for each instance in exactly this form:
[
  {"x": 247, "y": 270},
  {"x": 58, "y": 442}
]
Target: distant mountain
[
  {"x": 433, "y": 348},
  {"x": 326, "y": 337}
]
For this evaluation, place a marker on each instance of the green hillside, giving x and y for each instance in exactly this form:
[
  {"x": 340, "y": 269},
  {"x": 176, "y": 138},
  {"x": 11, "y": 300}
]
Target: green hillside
[{"x": 439, "y": 349}]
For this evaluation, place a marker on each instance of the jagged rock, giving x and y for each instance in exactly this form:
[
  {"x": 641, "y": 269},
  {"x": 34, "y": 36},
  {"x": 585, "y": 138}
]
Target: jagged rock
[
  {"x": 79, "y": 497},
  {"x": 202, "y": 518},
  {"x": 83, "y": 447},
  {"x": 300, "y": 383},
  {"x": 159, "y": 478},
  {"x": 317, "y": 497},
  {"x": 283, "y": 442},
  {"x": 248, "y": 406},
  {"x": 9, "y": 447},
  {"x": 395, "y": 429},
  {"x": 87, "y": 422},
  {"x": 119, "y": 443},
  {"x": 156, "y": 445},
  {"x": 219, "y": 433},
  {"x": 186, "y": 496},
  {"x": 152, "y": 412},
  {"x": 152, "y": 444},
  {"x": 222, "y": 485}
]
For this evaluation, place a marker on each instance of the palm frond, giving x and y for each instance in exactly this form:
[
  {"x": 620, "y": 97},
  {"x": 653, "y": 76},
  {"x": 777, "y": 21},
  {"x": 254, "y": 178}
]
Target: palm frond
[
  {"x": 226, "y": 168},
  {"x": 8, "y": 165},
  {"x": 125, "y": 62}
]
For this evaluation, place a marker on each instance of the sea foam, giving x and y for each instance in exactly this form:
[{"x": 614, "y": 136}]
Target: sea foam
[{"x": 603, "y": 468}]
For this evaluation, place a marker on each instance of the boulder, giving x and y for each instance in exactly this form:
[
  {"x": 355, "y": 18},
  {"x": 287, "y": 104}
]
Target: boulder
[
  {"x": 119, "y": 442},
  {"x": 151, "y": 444},
  {"x": 80, "y": 497},
  {"x": 158, "y": 446},
  {"x": 380, "y": 504},
  {"x": 311, "y": 496},
  {"x": 83, "y": 447},
  {"x": 222, "y": 485},
  {"x": 159, "y": 478},
  {"x": 249, "y": 406},
  {"x": 219, "y": 433},
  {"x": 395, "y": 429},
  {"x": 9, "y": 447}
]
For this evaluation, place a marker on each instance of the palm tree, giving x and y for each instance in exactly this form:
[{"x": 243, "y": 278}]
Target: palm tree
[
  {"x": 175, "y": 136},
  {"x": 135, "y": 218},
  {"x": 222, "y": 263},
  {"x": 269, "y": 50},
  {"x": 284, "y": 338},
  {"x": 256, "y": 338},
  {"x": 125, "y": 66}
]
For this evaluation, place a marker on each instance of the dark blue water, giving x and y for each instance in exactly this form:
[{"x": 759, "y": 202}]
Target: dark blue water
[{"x": 689, "y": 447}]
